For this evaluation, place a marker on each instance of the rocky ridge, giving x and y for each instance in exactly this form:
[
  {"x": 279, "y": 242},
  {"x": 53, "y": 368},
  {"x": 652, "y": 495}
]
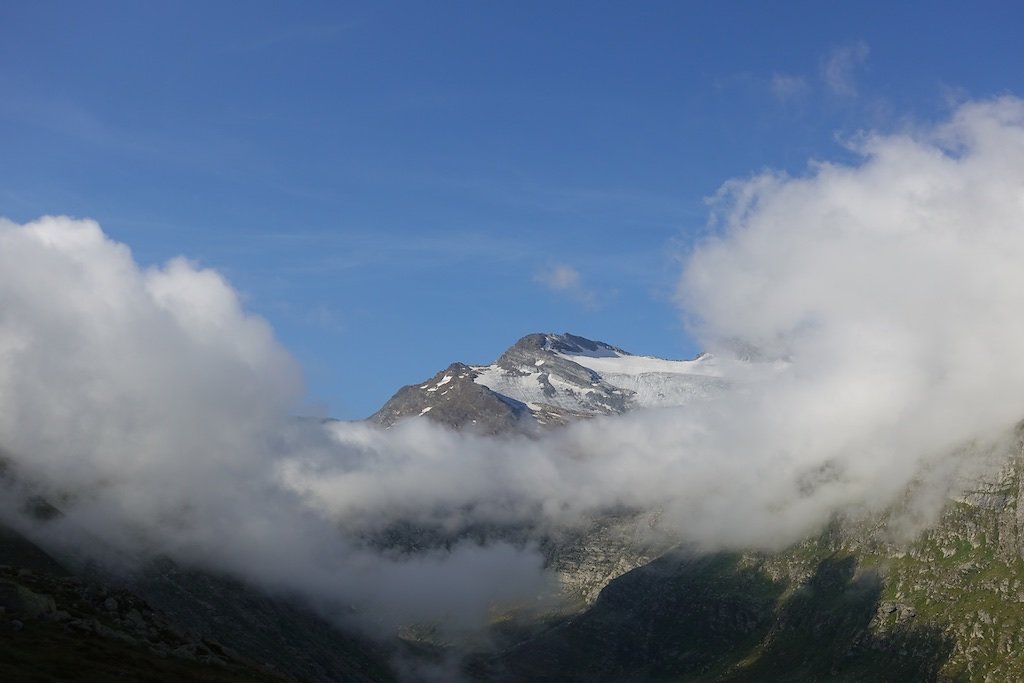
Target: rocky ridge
[{"x": 549, "y": 380}]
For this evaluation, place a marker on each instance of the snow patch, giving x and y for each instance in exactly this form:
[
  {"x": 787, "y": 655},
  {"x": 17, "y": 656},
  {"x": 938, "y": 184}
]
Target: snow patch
[
  {"x": 444, "y": 380},
  {"x": 706, "y": 365}
]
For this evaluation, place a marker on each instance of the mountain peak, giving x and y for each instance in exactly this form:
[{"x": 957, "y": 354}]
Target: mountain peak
[
  {"x": 573, "y": 345},
  {"x": 548, "y": 379},
  {"x": 566, "y": 343}
]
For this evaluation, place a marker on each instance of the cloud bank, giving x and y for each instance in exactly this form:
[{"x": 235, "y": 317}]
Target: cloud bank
[
  {"x": 883, "y": 299},
  {"x": 153, "y": 410}
]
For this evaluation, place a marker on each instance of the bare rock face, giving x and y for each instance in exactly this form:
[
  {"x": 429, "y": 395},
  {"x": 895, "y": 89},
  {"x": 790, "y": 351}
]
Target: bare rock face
[
  {"x": 453, "y": 398},
  {"x": 567, "y": 387},
  {"x": 527, "y": 389},
  {"x": 613, "y": 544}
]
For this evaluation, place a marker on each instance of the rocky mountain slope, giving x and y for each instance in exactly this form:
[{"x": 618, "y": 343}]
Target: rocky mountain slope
[
  {"x": 547, "y": 380},
  {"x": 58, "y": 626}
]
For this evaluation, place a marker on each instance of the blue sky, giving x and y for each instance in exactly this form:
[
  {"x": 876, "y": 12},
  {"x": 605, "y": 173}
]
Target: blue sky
[{"x": 396, "y": 186}]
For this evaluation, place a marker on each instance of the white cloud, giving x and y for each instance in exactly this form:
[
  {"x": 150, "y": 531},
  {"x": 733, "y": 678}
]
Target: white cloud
[
  {"x": 156, "y": 410},
  {"x": 838, "y": 70},
  {"x": 891, "y": 286}
]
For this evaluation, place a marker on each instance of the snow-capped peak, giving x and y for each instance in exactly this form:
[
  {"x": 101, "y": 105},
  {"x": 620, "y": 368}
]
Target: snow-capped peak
[
  {"x": 550, "y": 379},
  {"x": 569, "y": 344}
]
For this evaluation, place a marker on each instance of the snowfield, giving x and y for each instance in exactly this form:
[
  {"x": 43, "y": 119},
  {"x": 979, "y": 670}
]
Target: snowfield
[{"x": 621, "y": 381}]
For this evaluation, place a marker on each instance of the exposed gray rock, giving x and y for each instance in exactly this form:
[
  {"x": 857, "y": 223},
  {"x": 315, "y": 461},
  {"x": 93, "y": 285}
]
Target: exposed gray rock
[
  {"x": 17, "y": 599},
  {"x": 581, "y": 392},
  {"x": 453, "y": 398},
  {"x": 530, "y": 386}
]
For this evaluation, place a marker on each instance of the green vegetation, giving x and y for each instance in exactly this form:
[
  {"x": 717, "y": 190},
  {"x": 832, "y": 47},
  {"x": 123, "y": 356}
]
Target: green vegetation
[{"x": 859, "y": 602}]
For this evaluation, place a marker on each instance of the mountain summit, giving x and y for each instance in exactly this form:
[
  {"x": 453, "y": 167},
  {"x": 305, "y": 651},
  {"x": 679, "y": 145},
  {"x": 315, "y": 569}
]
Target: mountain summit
[{"x": 546, "y": 380}]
